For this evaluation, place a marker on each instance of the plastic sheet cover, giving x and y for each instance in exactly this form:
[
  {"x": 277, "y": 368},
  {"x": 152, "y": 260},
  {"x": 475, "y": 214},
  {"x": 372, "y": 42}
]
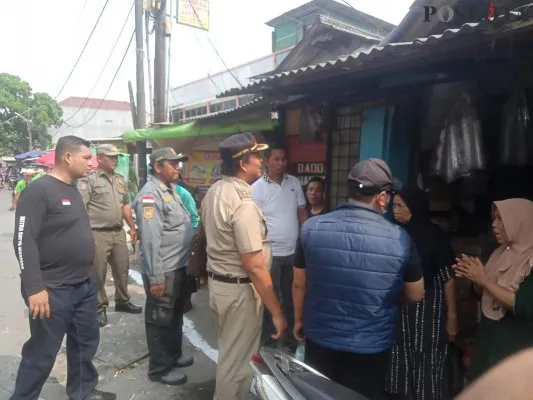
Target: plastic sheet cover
[
  {"x": 460, "y": 148},
  {"x": 516, "y": 138}
]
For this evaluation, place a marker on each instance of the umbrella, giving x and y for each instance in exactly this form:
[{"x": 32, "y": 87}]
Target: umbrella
[
  {"x": 29, "y": 154},
  {"x": 48, "y": 160}
]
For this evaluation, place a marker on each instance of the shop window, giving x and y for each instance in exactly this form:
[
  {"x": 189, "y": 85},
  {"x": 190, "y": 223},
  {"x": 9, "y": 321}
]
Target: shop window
[
  {"x": 177, "y": 115},
  {"x": 344, "y": 151},
  {"x": 195, "y": 112}
]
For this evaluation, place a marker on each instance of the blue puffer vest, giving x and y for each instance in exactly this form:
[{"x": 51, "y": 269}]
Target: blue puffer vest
[{"x": 355, "y": 262}]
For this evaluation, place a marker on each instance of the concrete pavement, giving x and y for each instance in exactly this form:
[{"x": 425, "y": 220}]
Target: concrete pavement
[{"x": 121, "y": 359}]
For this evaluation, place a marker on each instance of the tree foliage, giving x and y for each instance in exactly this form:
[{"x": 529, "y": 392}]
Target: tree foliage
[{"x": 19, "y": 106}]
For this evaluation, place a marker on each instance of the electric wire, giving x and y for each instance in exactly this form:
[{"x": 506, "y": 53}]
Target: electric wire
[
  {"x": 83, "y": 50},
  {"x": 110, "y": 85},
  {"x": 214, "y": 47},
  {"x": 34, "y": 107},
  {"x": 104, "y": 68}
]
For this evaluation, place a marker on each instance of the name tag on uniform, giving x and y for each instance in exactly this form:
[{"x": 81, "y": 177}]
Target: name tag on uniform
[{"x": 65, "y": 202}]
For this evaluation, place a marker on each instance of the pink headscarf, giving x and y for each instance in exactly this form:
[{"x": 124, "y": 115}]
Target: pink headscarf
[{"x": 510, "y": 263}]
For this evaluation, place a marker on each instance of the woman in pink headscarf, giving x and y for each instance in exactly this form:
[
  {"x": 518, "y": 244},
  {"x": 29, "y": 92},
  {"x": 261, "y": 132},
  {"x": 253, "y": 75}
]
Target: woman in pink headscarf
[{"x": 506, "y": 286}]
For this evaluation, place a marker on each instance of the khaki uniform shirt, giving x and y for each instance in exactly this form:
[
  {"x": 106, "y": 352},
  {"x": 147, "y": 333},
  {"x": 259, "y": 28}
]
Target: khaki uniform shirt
[
  {"x": 105, "y": 196},
  {"x": 234, "y": 225}
]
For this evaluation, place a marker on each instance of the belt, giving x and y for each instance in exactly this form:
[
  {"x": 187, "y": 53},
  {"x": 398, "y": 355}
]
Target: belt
[
  {"x": 116, "y": 229},
  {"x": 228, "y": 279}
]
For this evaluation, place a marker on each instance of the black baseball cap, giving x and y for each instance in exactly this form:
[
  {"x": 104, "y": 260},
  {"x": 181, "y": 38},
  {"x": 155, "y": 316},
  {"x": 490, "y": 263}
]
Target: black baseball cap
[
  {"x": 373, "y": 176},
  {"x": 238, "y": 145},
  {"x": 166, "y": 153}
]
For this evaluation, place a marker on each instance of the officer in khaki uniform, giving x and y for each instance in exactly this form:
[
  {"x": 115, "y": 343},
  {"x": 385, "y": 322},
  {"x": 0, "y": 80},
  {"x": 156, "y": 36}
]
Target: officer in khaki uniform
[
  {"x": 106, "y": 196},
  {"x": 166, "y": 234},
  {"x": 238, "y": 262}
]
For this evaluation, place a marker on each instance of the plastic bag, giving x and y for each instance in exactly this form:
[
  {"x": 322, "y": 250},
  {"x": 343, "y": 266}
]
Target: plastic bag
[
  {"x": 460, "y": 148},
  {"x": 516, "y": 138}
]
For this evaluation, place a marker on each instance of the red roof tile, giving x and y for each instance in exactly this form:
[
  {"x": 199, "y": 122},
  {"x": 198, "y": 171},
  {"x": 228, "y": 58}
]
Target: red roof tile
[{"x": 99, "y": 104}]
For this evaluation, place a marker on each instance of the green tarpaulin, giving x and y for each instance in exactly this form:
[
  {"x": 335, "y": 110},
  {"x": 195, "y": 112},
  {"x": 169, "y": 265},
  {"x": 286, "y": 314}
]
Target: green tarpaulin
[{"x": 196, "y": 128}]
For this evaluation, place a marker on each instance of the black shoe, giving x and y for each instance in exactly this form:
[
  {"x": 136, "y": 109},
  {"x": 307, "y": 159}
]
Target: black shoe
[
  {"x": 98, "y": 395},
  {"x": 102, "y": 318},
  {"x": 128, "y": 308},
  {"x": 173, "y": 378},
  {"x": 184, "y": 361}
]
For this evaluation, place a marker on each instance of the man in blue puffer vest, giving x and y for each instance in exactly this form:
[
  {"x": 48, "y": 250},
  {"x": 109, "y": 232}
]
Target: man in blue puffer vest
[{"x": 352, "y": 267}]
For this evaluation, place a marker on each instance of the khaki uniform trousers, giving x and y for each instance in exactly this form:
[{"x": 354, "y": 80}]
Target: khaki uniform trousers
[
  {"x": 239, "y": 323},
  {"x": 111, "y": 247}
]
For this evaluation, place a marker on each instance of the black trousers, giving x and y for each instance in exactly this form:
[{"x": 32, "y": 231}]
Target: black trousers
[
  {"x": 282, "y": 275},
  {"x": 362, "y": 373},
  {"x": 164, "y": 323},
  {"x": 72, "y": 312}
]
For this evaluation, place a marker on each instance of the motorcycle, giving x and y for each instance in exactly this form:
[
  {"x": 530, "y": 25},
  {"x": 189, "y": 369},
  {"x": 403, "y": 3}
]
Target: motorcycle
[{"x": 280, "y": 376}]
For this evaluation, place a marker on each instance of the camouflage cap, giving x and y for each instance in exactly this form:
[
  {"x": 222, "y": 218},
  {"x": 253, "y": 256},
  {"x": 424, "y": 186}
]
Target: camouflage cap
[
  {"x": 107, "y": 150},
  {"x": 166, "y": 153}
]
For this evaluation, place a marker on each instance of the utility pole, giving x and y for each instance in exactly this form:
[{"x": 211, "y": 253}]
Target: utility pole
[
  {"x": 141, "y": 100},
  {"x": 149, "y": 65},
  {"x": 159, "y": 66}
]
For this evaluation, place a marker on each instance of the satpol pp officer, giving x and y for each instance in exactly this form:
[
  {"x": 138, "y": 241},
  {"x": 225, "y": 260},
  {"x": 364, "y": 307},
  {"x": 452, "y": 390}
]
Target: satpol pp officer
[
  {"x": 166, "y": 234},
  {"x": 238, "y": 262},
  {"x": 107, "y": 199}
]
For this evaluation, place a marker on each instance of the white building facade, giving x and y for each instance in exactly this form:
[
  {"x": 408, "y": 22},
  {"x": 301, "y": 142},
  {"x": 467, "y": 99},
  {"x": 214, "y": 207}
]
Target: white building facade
[{"x": 94, "y": 119}]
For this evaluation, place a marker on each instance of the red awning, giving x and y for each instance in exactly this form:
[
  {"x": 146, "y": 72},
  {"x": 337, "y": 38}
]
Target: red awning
[{"x": 48, "y": 160}]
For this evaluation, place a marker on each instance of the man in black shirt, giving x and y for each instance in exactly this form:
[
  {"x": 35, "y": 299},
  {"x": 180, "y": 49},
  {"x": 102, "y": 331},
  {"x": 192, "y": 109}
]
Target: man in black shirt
[{"x": 55, "y": 248}]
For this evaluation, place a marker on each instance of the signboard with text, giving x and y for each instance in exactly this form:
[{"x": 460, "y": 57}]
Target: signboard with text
[
  {"x": 193, "y": 13},
  {"x": 304, "y": 171},
  {"x": 202, "y": 168}
]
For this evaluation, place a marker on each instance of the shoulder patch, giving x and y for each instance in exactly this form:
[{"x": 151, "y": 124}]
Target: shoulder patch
[
  {"x": 82, "y": 184},
  {"x": 243, "y": 192},
  {"x": 148, "y": 212}
]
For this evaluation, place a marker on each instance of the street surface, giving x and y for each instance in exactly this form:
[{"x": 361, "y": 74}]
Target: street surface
[{"x": 121, "y": 359}]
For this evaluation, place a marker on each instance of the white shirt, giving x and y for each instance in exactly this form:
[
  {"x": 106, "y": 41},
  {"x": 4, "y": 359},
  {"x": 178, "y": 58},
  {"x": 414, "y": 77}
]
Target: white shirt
[{"x": 280, "y": 204}]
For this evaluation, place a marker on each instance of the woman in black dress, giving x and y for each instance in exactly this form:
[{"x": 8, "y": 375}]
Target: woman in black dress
[
  {"x": 420, "y": 355},
  {"x": 314, "y": 192}
]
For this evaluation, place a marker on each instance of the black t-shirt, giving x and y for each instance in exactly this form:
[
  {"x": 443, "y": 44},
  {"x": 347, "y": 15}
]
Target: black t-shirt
[
  {"x": 413, "y": 268},
  {"x": 53, "y": 239},
  {"x": 310, "y": 214}
]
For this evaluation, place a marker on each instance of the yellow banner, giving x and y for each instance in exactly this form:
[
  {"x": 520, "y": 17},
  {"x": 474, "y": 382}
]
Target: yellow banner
[
  {"x": 202, "y": 168},
  {"x": 193, "y": 13}
]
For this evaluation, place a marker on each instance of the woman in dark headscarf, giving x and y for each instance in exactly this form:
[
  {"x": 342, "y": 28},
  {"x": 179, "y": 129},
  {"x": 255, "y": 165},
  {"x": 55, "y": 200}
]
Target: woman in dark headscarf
[{"x": 419, "y": 356}]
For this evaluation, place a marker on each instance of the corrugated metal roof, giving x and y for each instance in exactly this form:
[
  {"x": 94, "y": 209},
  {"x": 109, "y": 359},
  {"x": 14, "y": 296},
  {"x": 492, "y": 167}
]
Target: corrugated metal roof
[
  {"x": 100, "y": 104},
  {"x": 251, "y": 104},
  {"x": 387, "y": 50}
]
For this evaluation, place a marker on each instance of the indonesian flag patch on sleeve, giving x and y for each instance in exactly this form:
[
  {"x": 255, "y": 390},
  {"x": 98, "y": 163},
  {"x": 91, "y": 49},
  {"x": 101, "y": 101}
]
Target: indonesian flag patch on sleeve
[
  {"x": 148, "y": 200},
  {"x": 65, "y": 202}
]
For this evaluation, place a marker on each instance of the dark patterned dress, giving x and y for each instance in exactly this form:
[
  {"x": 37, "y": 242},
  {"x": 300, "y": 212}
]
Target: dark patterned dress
[{"x": 419, "y": 358}]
